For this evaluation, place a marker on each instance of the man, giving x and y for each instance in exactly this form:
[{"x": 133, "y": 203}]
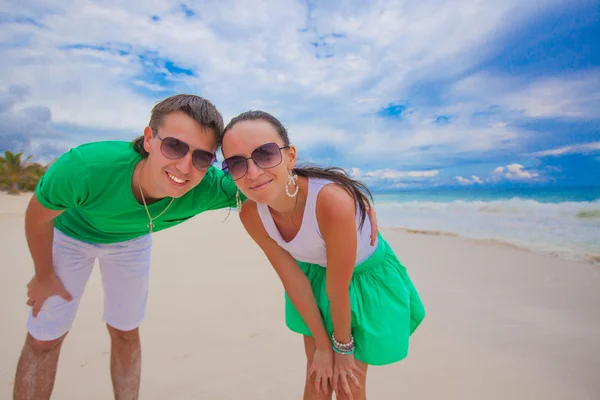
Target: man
[{"x": 102, "y": 201}]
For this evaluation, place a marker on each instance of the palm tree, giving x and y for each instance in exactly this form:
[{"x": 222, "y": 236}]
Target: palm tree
[{"x": 17, "y": 174}]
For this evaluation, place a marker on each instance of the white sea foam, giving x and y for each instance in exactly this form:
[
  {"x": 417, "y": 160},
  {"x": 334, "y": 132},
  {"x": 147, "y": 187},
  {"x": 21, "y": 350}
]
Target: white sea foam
[{"x": 567, "y": 229}]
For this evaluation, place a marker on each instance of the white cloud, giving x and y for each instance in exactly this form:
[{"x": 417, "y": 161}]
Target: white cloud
[
  {"x": 572, "y": 95},
  {"x": 553, "y": 168},
  {"x": 325, "y": 75},
  {"x": 405, "y": 40},
  {"x": 419, "y": 140},
  {"x": 513, "y": 172},
  {"x": 392, "y": 174},
  {"x": 466, "y": 181},
  {"x": 19, "y": 124},
  {"x": 306, "y": 136},
  {"x": 583, "y": 148}
]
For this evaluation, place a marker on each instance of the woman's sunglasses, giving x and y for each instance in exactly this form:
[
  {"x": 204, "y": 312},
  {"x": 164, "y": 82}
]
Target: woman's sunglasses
[
  {"x": 175, "y": 149},
  {"x": 266, "y": 156}
]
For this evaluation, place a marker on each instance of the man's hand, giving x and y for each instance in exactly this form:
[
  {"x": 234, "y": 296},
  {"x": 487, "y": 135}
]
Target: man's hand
[{"x": 38, "y": 290}]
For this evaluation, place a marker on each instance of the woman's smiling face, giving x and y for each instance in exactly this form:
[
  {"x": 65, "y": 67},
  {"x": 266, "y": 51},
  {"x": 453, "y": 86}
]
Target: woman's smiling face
[{"x": 262, "y": 185}]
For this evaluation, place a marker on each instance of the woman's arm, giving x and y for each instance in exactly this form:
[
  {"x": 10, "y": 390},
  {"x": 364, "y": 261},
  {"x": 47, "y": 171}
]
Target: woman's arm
[
  {"x": 294, "y": 281},
  {"x": 337, "y": 223},
  {"x": 336, "y": 218}
]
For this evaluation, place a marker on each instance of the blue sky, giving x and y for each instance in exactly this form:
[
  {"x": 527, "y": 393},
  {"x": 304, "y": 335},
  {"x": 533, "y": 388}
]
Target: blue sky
[{"x": 402, "y": 94}]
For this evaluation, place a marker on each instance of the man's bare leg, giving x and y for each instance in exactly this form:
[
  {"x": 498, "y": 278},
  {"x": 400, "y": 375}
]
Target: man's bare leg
[
  {"x": 36, "y": 369},
  {"x": 125, "y": 363}
]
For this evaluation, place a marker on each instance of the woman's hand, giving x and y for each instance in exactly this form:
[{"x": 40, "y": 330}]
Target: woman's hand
[
  {"x": 374, "y": 227},
  {"x": 344, "y": 373},
  {"x": 322, "y": 368}
]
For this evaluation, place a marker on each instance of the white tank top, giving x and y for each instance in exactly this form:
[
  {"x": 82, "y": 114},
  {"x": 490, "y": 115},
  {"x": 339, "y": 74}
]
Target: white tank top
[{"x": 308, "y": 244}]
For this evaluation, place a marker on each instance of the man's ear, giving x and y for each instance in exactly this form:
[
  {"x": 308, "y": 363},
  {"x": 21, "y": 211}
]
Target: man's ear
[{"x": 148, "y": 135}]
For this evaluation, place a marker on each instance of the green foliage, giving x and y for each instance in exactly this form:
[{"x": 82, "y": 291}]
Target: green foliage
[{"x": 18, "y": 175}]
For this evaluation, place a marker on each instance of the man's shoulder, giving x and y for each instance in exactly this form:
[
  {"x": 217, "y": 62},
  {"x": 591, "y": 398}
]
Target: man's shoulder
[
  {"x": 105, "y": 154},
  {"x": 105, "y": 150},
  {"x": 102, "y": 155}
]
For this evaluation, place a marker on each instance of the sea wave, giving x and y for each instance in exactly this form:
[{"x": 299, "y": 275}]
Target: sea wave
[
  {"x": 565, "y": 229},
  {"x": 583, "y": 209},
  {"x": 564, "y": 252}
]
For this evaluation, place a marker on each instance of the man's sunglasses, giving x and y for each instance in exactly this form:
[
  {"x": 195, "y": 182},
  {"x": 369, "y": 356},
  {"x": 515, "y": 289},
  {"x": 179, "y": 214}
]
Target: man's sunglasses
[
  {"x": 266, "y": 156},
  {"x": 175, "y": 149}
]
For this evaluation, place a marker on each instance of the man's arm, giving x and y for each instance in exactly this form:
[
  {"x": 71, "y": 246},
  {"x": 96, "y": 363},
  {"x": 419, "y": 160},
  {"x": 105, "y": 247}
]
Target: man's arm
[
  {"x": 39, "y": 231},
  {"x": 64, "y": 185}
]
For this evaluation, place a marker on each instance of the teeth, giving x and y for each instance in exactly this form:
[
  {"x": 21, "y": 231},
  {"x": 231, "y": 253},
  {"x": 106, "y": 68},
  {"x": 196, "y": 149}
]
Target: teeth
[{"x": 176, "y": 179}]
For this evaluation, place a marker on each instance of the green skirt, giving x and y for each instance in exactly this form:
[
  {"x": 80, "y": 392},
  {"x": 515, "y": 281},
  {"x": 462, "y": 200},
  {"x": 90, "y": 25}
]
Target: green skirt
[{"x": 385, "y": 306}]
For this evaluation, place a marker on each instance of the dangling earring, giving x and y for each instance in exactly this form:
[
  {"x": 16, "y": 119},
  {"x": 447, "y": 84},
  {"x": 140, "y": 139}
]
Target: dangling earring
[
  {"x": 238, "y": 201},
  {"x": 292, "y": 180}
]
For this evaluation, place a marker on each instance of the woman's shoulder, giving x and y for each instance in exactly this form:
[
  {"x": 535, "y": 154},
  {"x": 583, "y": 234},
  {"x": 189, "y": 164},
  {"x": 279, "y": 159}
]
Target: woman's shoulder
[
  {"x": 330, "y": 192},
  {"x": 334, "y": 202},
  {"x": 335, "y": 214}
]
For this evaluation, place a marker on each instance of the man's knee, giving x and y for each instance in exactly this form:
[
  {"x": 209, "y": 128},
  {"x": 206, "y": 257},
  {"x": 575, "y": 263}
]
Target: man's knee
[
  {"x": 43, "y": 346},
  {"x": 131, "y": 336}
]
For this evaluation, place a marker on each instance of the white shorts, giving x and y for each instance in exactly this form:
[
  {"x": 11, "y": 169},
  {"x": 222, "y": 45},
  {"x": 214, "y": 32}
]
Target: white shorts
[{"x": 125, "y": 271}]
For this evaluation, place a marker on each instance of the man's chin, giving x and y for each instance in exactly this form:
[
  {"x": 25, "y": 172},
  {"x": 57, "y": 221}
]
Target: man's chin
[{"x": 177, "y": 192}]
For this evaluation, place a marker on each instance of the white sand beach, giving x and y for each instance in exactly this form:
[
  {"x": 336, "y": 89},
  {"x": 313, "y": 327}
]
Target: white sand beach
[{"x": 502, "y": 323}]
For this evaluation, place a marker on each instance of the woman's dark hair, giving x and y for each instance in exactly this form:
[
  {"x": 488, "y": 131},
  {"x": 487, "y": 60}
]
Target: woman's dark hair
[
  {"x": 199, "y": 109},
  {"x": 354, "y": 188}
]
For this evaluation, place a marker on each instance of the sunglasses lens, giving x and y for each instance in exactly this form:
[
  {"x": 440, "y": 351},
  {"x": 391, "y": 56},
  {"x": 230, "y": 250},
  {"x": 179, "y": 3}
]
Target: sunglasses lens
[
  {"x": 237, "y": 167},
  {"x": 267, "y": 156},
  {"x": 202, "y": 159},
  {"x": 173, "y": 148}
]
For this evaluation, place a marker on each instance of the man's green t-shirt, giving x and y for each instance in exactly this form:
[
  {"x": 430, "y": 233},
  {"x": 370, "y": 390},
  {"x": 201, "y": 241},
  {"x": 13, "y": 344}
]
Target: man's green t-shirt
[{"x": 92, "y": 183}]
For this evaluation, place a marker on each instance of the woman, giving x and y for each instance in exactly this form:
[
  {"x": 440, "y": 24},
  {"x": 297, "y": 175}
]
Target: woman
[{"x": 353, "y": 302}]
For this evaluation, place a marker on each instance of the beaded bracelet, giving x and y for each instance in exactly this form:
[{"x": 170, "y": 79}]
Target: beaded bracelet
[
  {"x": 343, "y": 345},
  {"x": 343, "y": 348},
  {"x": 344, "y": 352}
]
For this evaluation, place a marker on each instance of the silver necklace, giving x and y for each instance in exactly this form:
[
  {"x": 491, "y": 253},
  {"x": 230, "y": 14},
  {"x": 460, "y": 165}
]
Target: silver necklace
[
  {"x": 150, "y": 225},
  {"x": 291, "y": 218}
]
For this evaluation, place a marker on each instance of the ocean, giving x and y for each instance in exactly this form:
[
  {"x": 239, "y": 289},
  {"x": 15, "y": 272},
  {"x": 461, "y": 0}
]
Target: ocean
[{"x": 564, "y": 222}]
